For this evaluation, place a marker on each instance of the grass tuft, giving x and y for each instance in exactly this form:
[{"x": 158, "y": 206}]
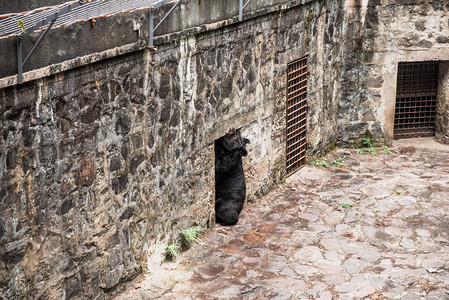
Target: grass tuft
[
  {"x": 366, "y": 142},
  {"x": 192, "y": 234},
  {"x": 172, "y": 251}
]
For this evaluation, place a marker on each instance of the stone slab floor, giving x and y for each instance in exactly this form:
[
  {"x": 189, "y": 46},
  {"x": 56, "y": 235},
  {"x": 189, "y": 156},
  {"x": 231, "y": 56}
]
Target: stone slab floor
[{"x": 377, "y": 228}]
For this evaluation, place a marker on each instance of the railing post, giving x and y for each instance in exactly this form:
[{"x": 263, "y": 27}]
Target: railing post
[
  {"x": 240, "y": 10},
  {"x": 19, "y": 59},
  {"x": 151, "y": 29}
]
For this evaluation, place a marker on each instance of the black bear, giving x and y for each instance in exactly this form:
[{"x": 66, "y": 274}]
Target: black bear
[{"x": 230, "y": 186}]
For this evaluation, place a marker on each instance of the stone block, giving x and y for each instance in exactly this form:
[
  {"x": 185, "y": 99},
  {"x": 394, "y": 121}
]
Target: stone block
[
  {"x": 65, "y": 207},
  {"x": 85, "y": 174},
  {"x": 135, "y": 163},
  {"x": 374, "y": 82},
  {"x": 309, "y": 254},
  {"x": 123, "y": 124},
  {"x": 442, "y": 40},
  {"x": 89, "y": 116},
  {"x": 119, "y": 184},
  {"x": 115, "y": 164},
  {"x": 424, "y": 44},
  {"x": 11, "y": 158}
]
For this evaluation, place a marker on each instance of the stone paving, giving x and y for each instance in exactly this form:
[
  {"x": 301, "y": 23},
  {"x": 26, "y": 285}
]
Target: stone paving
[{"x": 377, "y": 228}]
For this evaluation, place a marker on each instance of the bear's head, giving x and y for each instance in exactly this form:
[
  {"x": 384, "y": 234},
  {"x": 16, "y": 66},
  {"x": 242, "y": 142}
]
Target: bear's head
[{"x": 233, "y": 142}]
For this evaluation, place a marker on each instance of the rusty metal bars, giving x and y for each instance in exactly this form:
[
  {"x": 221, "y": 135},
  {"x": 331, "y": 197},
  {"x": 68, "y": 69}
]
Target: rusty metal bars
[
  {"x": 297, "y": 108},
  {"x": 416, "y": 96}
]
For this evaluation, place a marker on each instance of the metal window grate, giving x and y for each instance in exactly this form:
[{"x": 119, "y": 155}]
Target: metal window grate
[
  {"x": 70, "y": 12},
  {"x": 416, "y": 97},
  {"x": 297, "y": 108}
]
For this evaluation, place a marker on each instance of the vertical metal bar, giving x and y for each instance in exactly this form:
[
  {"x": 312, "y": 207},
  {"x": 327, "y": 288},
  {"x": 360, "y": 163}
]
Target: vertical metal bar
[
  {"x": 19, "y": 59},
  {"x": 151, "y": 30},
  {"x": 240, "y": 10}
]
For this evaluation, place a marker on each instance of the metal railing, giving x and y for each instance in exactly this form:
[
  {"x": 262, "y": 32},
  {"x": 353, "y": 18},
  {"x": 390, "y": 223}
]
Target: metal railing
[
  {"x": 17, "y": 24},
  {"x": 44, "y": 18}
]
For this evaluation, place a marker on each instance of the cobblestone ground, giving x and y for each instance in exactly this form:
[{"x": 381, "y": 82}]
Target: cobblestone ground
[{"x": 375, "y": 229}]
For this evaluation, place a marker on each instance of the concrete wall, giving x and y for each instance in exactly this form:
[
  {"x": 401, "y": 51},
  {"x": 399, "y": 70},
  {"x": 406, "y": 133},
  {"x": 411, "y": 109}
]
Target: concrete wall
[{"x": 71, "y": 46}]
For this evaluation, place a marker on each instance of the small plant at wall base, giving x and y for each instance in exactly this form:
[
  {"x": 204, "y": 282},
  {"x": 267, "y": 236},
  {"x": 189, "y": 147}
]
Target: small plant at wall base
[
  {"x": 172, "y": 251},
  {"x": 366, "y": 142},
  {"x": 191, "y": 235},
  {"x": 372, "y": 151},
  {"x": 317, "y": 163}
]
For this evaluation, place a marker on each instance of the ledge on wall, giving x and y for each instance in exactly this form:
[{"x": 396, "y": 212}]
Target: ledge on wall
[{"x": 97, "y": 43}]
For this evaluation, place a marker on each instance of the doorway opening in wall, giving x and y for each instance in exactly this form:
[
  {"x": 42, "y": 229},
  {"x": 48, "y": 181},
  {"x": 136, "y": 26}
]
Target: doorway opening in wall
[
  {"x": 297, "y": 108},
  {"x": 416, "y": 99}
]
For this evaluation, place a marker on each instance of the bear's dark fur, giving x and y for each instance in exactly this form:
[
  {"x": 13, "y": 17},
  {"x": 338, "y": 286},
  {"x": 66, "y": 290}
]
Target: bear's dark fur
[{"x": 230, "y": 186}]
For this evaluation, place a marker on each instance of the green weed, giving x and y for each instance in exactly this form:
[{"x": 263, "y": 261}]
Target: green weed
[
  {"x": 192, "y": 234},
  {"x": 367, "y": 142},
  {"x": 386, "y": 149},
  {"x": 346, "y": 205},
  {"x": 317, "y": 163},
  {"x": 338, "y": 162},
  {"x": 172, "y": 251},
  {"x": 340, "y": 159},
  {"x": 397, "y": 191}
]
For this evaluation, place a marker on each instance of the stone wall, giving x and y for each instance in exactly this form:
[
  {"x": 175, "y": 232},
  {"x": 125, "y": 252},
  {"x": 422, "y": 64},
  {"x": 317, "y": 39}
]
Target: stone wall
[
  {"x": 103, "y": 165},
  {"x": 85, "y": 42},
  {"x": 442, "y": 118},
  {"x": 84, "y": 195},
  {"x": 384, "y": 33}
]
